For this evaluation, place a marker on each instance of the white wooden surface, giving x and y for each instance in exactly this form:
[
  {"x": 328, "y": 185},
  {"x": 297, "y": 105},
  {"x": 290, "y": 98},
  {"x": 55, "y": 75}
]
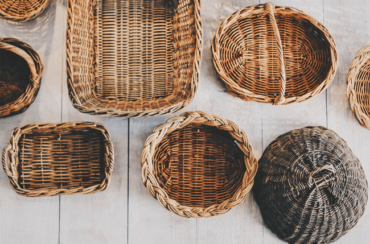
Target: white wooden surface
[{"x": 126, "y": 212}]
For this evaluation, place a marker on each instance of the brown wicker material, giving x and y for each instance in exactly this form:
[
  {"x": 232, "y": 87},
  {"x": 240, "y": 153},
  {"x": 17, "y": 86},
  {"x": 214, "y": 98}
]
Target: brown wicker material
[
  {"x": 198, "y": 165},
  {"x": 358, "y": 89},
  {"x": 133, "y": 58},
  {"x": 310, "y": 187},
  {"x": 59, "y": 159},
  {"x": 275, "y": 55},
  {"x": 22, "y": 10},
  {"x": 20, "y": 76}
]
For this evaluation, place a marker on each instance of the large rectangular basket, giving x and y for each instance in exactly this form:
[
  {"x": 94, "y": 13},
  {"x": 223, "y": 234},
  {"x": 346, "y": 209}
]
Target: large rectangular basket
[
  {"x": 59, "y": 159},
  {"x": 133, "y": 58}
]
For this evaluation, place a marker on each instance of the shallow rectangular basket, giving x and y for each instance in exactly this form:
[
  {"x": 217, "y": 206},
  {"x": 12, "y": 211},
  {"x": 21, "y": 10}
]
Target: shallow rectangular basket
[
  {"x": 133, "y": 58},
  {"x": 59, "y": 159}
]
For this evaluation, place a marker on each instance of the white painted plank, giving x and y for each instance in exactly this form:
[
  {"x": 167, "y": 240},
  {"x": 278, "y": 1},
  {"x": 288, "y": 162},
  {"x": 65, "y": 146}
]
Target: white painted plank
[
  {"x": 100, "y": 217},
  {"x": 22, "y": 219},
  {"x": 243, "y": 224},
  {"x": 350, "y": 25},
  {"x": 149, "y": 222}
]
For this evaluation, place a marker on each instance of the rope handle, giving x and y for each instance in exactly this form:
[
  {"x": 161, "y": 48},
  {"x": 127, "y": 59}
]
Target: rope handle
[
  {"x": 5, "y": 160},
  {"x": 34, "y": 76},
  {"x": 269, "y": 7}
]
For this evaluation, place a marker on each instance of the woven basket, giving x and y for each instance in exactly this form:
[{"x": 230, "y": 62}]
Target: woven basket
[
  {"x": 358, "y": 88},
  {"x": 59, "y": 159},
  {"x": 198, "y": 165},
  {"x": 20, "y": 76},
  {"x": 310, "y": 187},
  {"x": 275, "y": 55},
  {"x": 22, "y": 10},
  {"x": 132, "y": 58}
]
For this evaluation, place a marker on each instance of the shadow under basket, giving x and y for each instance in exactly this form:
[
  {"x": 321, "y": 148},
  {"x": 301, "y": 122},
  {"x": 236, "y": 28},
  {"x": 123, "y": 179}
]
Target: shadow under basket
[
  {"x": 22, "y": 10},
  {"x": 133, "y": 58},
  {"x": 276, "y": 55},
  {"x": 358, "y": 86},
  {"x": 198, "y": 165},
  {"x": 20, "y": 76},
  {"x": 59, "y": 159}
]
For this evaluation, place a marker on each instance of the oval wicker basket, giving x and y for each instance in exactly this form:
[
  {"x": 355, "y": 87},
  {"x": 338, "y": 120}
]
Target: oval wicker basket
[
  {"x": 198, "y": 165},
  {"x": 20, "y": 76},
  {"x": 310, "y": 187},
  {"x": 59, "y": 159},
  {"x": 22, "y": 10},
  {"x": 275, "y": 55},
  {"x": 358, "y": 86},
  {"x": 133, "y": 58}
]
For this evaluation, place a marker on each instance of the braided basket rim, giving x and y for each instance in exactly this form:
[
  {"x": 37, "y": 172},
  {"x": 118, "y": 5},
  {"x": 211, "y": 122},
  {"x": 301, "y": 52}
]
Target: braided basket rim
[
  {"x": 361, "y": 57},
  {"x": 22, "y": 103},
  {"x": 235, "y": 89},
  {"x": 25, "y": 17},
  {"x": 168, "y": 108},
  {"x": 175, "y": 123},
  {"x": 12, "y": 148}
]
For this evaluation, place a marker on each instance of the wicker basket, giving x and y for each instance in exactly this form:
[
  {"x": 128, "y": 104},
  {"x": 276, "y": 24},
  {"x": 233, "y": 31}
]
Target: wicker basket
[
  {"x": 198, "y": 165},
  {"x": 20, "y": 76},
  {"x": 358, "y": 89},
  {"x": 275, "y": 55},
  {"x": 59, "y": 159},
  {"x": 132, "y": 58},
  {"x": 310, "y": 187},
  {"x": 22, "y": 10}
]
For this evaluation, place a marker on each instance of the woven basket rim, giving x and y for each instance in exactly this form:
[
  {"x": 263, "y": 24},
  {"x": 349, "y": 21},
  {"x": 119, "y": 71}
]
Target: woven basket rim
[
  {"x": 168, "y": 108},
  {"x": 25, "y": 17},
  {"x": 179, "y": 122},
  {"x": 259, "y": 9},
  {"x": 361, "y": 57},
  {"x": 13, "y": 149},
  {"x": 25, "y": 100}
]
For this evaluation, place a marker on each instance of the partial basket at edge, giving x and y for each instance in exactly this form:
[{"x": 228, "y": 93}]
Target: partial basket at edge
[
  {"x": 133, "y": 58},
  {"x": 20, "y": 76},
  {"x": 22, "y": 10},
  {"x": 358, "y": 86},
  {"x": 197, "y": 165},
  {"x": 59, "y": 159},
  {"x": 275, "y": 55}
]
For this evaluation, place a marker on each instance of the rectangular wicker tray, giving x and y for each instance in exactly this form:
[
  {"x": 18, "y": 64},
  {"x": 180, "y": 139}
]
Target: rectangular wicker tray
[
  {"x": 133, "y": 58},
  {"x": 58, "y": 159}
]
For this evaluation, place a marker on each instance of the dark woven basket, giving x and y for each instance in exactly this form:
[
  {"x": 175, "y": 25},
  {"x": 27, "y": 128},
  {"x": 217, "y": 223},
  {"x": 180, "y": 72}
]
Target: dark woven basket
[{"x": 310, "y": 187}]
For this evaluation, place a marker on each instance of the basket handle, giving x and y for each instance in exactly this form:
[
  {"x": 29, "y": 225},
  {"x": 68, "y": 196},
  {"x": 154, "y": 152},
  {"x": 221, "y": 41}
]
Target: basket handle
[
  {"x": 20, "y": 52},
  {"x": 269, "y": 7},
  {"x": 5, "y": 160}
]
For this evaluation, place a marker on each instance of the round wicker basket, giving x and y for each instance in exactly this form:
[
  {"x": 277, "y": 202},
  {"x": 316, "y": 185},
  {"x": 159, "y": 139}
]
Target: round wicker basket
[
  {"x": 22, "y": 10},
  {"x": 358, "y": 88},
  {"x": 198, "y": 165},
  {"x": 275, "y": 55},
  {"x": 20, "y": 76},
  {"x": 310, "y": 187}
]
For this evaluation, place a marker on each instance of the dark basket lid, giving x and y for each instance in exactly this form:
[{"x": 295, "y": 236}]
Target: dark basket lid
[{"x": 310, "y": 187}]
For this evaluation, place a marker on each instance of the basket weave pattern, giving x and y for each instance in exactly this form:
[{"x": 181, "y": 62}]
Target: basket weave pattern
[
  {"x": 275, "y": 55},
  {"x": 59, "y": 159},
  {"x": 20, "y": 76},
  {"x": 133, "y": 58},
  {"x": 358, "y": 86},
  {"x": 22, "y": 10},
  {"x": 310, "y": 187},
  {"x": 198, "y": 165}
]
